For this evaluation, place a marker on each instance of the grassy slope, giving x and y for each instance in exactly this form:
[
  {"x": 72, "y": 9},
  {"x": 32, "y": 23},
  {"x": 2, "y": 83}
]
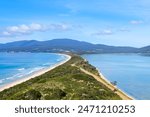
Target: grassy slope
[{"x": 64, "y": 82}]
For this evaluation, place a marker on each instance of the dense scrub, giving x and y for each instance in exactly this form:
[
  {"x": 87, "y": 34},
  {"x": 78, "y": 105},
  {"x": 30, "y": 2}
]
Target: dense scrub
[{"x": 65, "y": 82}]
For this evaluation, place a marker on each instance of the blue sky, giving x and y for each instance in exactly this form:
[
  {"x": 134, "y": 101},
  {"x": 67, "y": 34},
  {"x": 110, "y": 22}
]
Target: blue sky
[{"x": 111, "y": 22}]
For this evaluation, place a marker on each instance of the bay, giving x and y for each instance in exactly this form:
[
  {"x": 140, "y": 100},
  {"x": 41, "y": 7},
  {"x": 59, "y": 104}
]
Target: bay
[{"x": 131, "y": 71}]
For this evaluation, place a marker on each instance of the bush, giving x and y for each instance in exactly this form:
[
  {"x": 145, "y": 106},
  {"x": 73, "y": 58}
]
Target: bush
[{"x": 32, "y": 95}]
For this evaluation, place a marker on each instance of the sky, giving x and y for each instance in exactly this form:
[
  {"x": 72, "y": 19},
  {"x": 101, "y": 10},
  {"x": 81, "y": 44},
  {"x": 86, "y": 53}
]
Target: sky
[{"x": 110, "y": 22}]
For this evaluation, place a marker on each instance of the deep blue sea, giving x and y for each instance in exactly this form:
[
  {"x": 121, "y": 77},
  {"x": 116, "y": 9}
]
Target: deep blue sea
[
  {"x": 131, "y": 71},
  {"x": 14, "y": 66}
]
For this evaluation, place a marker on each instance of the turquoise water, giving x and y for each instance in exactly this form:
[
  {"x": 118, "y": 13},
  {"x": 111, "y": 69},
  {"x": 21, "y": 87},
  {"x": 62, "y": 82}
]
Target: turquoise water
[
  {"x": 14, "y": 66},
  {"x": 131, "y": 71}
]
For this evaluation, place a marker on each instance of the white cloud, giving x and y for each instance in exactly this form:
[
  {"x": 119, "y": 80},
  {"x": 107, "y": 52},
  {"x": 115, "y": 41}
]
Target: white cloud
[
  {"x": 24, "y": 29},
  {"x": 21, "y": 29},
  {"x": 103, "y": 32},
  {"x": 59, "y": 27},
  {"x": 136, "y": 22},
  {"x": 6, "y": 33},
  {"x": 36, "y": 27}
]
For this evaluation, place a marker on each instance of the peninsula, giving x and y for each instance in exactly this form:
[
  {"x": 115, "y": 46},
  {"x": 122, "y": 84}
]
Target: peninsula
[{"x": 74, "y": 79}]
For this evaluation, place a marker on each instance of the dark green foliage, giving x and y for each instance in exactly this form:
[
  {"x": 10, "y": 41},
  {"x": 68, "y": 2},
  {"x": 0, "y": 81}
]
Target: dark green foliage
[
  {"x": 114, "y": 83},
  {"x": 31, "y": 95},
  {"x": 65, "y": 82},
  {"x": 55, "y": 94}
]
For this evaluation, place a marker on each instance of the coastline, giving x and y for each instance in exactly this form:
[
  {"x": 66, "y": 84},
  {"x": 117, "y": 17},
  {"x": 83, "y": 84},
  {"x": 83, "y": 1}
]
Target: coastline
[
  {"x": 107, "y": 83},
  {"x": 120, "y": 92},
  {"x": 35, "y": 74},
  {"x": 101, "y": 78}
]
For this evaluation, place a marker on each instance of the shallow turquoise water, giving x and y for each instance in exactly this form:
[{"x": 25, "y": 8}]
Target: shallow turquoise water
[
  {"x": 131, "y": 71},
  {"x": 14, "y": 66}
]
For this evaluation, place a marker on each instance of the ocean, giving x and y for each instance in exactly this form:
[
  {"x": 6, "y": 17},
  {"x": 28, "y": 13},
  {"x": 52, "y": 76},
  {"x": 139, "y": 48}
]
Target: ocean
[
  {"x": 131, "y": 71},
  {"x": 14, "y": 66}
]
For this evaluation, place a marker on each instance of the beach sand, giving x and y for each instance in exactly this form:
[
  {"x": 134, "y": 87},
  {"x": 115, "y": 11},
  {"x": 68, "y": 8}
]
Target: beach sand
[
  {"x": 35, "y": 74},
  {"x": 121, "y": 93},
  {"x": 107, "y": 83},
  {"x": 100, "y": 79}
]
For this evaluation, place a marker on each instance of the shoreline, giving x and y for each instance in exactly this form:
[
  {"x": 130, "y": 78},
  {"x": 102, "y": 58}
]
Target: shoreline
[
  {"x": 102, "y": 79},
  {"x": 107, "y": 83},
  {"x": 35, "y": 74},
  {"x": 120, "y": 92}
]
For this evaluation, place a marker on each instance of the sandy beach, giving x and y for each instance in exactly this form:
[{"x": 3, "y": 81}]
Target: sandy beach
[
  {"x": 107, "y": 83},
  {"x": 35, "y": 74},
  {"x": 99, "y": 78},
  {"x": 121, "y": 93}
]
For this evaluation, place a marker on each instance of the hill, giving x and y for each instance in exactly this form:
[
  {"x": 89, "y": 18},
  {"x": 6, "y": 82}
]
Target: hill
[
  {"x": 64, "y": 45},
  {"x": 145, "y": 49}
]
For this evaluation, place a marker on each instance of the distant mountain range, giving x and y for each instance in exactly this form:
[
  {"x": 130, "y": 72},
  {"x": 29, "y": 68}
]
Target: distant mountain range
[{"x": 68, "y": 45}]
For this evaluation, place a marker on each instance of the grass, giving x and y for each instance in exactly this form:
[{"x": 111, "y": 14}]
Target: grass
[{"x": 65, "y": 82}]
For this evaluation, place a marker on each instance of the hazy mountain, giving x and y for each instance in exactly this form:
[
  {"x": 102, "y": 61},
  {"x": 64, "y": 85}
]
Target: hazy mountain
[
  {"x": 145, "y": 49},
  {"x": 67, "y": 45}
]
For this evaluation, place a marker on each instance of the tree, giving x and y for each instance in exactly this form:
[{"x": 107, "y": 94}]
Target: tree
[{"x": 114, "y": 83}]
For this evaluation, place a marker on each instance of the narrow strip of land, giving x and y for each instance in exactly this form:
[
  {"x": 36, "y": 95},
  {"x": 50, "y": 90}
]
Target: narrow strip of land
[
  {"x": 107, "y": 84},
  {"x": 35, "y": 74}
]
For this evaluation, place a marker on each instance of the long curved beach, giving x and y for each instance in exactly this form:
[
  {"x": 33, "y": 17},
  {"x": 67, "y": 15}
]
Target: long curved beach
[
  {"x": 35, "y": 74},
  {"x": 99, "y": 78}
]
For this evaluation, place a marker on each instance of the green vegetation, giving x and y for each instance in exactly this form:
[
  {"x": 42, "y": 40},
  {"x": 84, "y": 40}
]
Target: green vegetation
[
  {"x": 85, "y": 65},
  {"x": 66, "y": 82}
]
